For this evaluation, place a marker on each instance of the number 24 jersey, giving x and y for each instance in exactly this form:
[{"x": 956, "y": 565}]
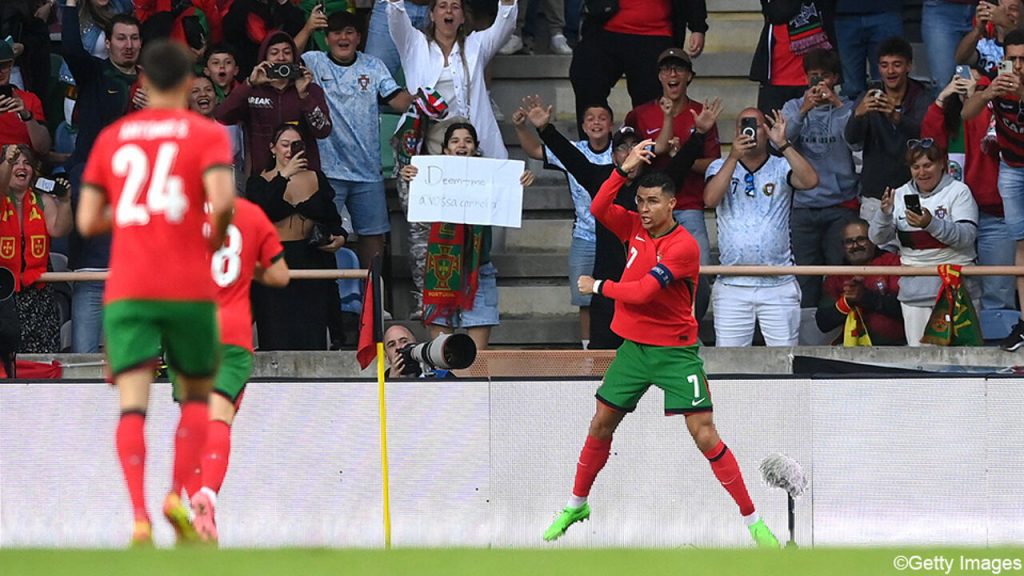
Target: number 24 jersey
[{"x": 150, "y": 164}]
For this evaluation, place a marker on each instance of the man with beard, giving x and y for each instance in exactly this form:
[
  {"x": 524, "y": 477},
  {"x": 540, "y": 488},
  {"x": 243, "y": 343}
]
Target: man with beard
[
  {"x": 104, "y": 96},
  {"x": 874, "y": 297}
]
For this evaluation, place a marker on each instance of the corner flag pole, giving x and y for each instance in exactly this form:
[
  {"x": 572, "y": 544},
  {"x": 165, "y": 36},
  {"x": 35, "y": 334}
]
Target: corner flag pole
[
  {"x": 378, "y": 339},
  {"x": 384, "y": 444}
]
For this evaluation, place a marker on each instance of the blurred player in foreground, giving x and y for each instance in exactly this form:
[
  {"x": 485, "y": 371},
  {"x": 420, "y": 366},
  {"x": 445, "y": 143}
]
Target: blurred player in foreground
[
  {"x": 654, "y": 314},
  {"x": 251, "y": 250},
  {"x": 147, "y": 179}
]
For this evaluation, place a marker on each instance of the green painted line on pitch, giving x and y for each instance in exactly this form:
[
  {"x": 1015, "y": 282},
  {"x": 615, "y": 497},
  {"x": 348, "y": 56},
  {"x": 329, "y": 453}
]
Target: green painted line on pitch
[{"x": 509, "y": 562}]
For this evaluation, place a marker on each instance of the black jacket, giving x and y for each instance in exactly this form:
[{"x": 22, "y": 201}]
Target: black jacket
[
  {"x": 779, "y": 13},
  {"x": 885, "y": 144}
]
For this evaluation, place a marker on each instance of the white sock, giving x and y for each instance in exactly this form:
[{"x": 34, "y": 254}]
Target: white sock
[
  {"x": 576, "y": 501},
  {"x": 751, "y": 519},
  {"x": 586, "y": 343},
  {"x": 209, "y": 492}
]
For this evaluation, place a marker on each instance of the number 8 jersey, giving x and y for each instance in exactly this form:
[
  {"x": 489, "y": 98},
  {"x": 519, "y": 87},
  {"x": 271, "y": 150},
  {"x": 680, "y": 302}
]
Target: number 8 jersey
[
  {"x": 251, "y": 240},
  {"x": 150, "y": 165}
]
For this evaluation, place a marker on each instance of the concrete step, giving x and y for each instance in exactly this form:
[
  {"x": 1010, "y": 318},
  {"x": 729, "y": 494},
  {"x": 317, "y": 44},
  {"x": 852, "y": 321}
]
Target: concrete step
[
  {"x": 731, "y": 32},
  {"x": 539, "y": 236},
  {"x": 733, "y": 6}
]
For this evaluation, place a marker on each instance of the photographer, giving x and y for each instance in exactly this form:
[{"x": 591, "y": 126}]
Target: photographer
[
  {"x": 33, "y": 210},
  {"x": 278, "y": 90},
  {"x": 398, "y": 339}
]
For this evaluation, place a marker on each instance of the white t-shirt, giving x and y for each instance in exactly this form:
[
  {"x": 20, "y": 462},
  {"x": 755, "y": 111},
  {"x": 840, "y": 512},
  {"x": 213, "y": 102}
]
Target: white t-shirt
[{"x": 753, "y": 220}]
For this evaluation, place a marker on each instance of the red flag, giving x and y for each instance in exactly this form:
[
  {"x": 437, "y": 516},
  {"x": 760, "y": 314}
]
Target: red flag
[{"x": 371, "y": 329}]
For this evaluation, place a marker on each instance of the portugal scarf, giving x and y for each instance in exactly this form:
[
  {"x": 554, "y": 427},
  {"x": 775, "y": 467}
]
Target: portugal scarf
[
  {"x": 855, "y": 331},
  {"x": 452, "y": 269},
  {"x": 29, "y": 236},
  {"x": 427, "y": 105},
  {"x": 953, "y": 321},
  {"x": 806, "y": 31}
]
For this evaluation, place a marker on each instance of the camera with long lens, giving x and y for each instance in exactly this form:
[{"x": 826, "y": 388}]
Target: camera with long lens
[{"x": 446, "y": 352}]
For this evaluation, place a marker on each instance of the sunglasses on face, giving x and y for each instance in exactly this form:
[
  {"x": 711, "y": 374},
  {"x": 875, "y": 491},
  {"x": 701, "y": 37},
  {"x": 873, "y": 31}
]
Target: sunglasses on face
[{"x": 855, "y": 241}]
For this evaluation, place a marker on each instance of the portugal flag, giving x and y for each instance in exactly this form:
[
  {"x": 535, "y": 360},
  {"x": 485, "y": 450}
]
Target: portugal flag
[{"x": 371, "y": 324}]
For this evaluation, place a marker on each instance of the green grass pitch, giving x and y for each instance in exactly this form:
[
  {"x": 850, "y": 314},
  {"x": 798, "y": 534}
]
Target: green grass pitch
[{"x": 533, "y": 562}]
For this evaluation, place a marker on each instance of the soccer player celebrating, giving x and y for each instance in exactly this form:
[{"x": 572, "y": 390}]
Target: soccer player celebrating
[
  {"x": 251, "y": 250},
  {"x": 147, "y": 179},
  {"x": 654, "y": 314}
]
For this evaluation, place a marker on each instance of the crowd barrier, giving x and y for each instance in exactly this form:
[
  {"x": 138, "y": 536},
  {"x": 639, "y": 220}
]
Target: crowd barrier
[{"x": 704, "y": 271}]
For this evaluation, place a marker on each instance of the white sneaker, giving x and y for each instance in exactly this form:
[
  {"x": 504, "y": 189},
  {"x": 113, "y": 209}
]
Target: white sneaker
[
  {"x": 559, "y": 45},
  {"x": 513, "y": 45}
]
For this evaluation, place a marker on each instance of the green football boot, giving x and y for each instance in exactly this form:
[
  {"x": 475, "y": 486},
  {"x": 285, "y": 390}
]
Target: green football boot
[
  {"x": 568, "y": 517},
  {"x": 762, "y": 535}
]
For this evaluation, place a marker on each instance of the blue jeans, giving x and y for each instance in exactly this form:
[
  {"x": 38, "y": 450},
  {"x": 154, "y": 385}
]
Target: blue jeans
[
  {"x": 86, "y": 317},
  {"x": 942, "y": 26},
  {"x": 998, "y": 311},
  {"x": 378, "y": 38},
  {"x": 858, "y": 36},
  {"x": 350, "y": 291},
  {"x": 693, "y": 222},
  {"x": 817, "y": 238}
]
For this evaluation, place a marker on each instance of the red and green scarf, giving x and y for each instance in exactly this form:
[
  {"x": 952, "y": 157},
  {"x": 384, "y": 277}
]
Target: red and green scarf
[
  {"x": 953, "y": 321},
  {"x": 806, "y": 30},
  {"x": 855, "y": 330},
  {"x": 28, "y": 236},
  {"x": 452, "y": 272}
]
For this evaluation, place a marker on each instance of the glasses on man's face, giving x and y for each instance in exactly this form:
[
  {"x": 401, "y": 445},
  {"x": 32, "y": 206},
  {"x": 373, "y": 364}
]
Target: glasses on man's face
[
  {"x": 922, "y": 144},
  {"x": 855, "y": 241},
  {"x": 749, "y": 187}
]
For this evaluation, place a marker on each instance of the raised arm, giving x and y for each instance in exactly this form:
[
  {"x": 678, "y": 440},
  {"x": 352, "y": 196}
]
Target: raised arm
[
  {"x": 804, "y": 177},
  {"x": 603, "y": 207},
  {"x": 693, "y": 150},
  {"x": 882, "y": 228},
  {"x": 492, "y": 38},
  {"x": 539, "y": 117},
  {"x": 80, "y": 62},
  {"x": 590, "y": 176},
  {"x": 403, "y": 33},
  {"x": 57, "y": 212}
]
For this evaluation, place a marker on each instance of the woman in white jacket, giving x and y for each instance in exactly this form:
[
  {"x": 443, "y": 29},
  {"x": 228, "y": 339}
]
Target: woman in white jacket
[
  {"x": 942, "y": 232},
  {"x": 444, "y": 57}
]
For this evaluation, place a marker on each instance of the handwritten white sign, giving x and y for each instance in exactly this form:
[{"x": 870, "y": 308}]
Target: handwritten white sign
[{"x": 465, "y": 190}]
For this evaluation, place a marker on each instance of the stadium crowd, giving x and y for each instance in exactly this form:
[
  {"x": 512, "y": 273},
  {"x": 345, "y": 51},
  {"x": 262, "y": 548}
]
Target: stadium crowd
[{"x": 844, "y": 159}]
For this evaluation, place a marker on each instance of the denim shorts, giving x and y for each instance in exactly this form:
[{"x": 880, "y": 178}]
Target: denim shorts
[
  {"x": 581, "y": 263},
  {"x": 366, "y": 204},
  {"x": 1011, "y": 189},
  {"x": 485, "y": 304}
]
